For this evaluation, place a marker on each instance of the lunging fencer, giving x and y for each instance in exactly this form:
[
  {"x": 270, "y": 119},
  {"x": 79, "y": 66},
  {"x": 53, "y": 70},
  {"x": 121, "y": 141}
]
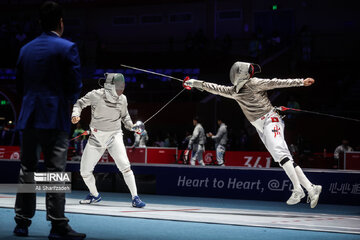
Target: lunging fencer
[
  {"x": 108, "y": 111},
  {"x": 197, "y": 143},
  {"x": 220, "y": 141},
  {"x": 250, "y": 93}
]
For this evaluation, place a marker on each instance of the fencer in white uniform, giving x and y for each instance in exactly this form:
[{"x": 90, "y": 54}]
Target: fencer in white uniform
[
  {"x": 250, "y": 93},
  {"x": 141, "y": 139},
  {"x": 108, "y": 111},
  {"x": 197, "y": 143},
  {"x": 220, "y": 142}
]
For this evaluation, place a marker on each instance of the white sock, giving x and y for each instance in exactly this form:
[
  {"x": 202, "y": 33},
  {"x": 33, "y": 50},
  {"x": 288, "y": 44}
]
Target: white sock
[
  {"x": 201, "y": 162},
  {"x": 130, "y": 182},
  {"x": 90, "y": 183},
  {"x": 290, "y": 171},
  {"x": 303, "y": 179}
]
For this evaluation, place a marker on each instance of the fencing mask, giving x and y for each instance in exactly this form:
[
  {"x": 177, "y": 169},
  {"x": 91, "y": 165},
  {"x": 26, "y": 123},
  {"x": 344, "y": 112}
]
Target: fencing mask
[
  {"x": 114, "y": 86},
  {"x": 241, "y": 72}
]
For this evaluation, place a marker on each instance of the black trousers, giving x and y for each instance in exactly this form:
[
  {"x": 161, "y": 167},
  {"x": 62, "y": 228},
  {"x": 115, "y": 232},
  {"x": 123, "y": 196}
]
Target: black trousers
[{"x": 54, "y": 145}]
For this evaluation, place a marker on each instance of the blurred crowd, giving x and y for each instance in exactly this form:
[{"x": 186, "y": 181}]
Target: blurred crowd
[{"x": 299, "y": 148}]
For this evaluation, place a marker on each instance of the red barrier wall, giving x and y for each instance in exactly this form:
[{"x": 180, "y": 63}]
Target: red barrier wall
[
  {"x": 172, "y": 155},
  {"x": 352, "y": 160}
]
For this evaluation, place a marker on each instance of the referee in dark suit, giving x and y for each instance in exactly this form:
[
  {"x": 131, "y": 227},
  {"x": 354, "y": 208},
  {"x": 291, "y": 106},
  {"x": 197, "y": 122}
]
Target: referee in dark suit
[{"x": 48, "y": 77}]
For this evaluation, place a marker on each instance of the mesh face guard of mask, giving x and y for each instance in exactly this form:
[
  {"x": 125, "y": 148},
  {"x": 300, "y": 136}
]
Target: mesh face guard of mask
[
  {"x": 241, "y": 72},
  {"x": 115, "y": 82}
]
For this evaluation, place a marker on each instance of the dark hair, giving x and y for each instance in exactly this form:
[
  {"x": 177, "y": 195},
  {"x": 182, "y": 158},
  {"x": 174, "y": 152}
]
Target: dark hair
[
  {"x": 196, "y": 118},
  {"x": 50, "y": 15}
]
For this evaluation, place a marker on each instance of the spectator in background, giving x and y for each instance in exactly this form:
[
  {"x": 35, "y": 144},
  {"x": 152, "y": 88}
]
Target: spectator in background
[
  {"x": 79, "y": 143},
  {"x": 340, "y": 151},
  {"x": 293, "y": 149},
  {"x": 167, "y": 140},
  {"x": 158, "y": 142},
  {"x": 197, "y": 143},
  {"x": 7, "y": 133},
  {"x": 221, "y": 139},
  {"x": 128, "y": 141},
  {"x": 185, "y": 141},
  {"x": 78, "y": 130},
  {"x": 170, "y": 140},
  {"x": 48, "y": 76},
  {"x": 173, "y": 140}
]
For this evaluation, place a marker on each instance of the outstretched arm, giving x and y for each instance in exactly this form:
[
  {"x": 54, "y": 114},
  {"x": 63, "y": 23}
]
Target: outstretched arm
[
  {"x": 213, "y": 88},
  {"x": 309, "y": 82},
  {"x": 261, "y": 84}
]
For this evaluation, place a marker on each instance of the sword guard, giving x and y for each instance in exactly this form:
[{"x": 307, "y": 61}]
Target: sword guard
[
  {"x": 282, "y": 108},
  {"x": 185, "y": 80}
]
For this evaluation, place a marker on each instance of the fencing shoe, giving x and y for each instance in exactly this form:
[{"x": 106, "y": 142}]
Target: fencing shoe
[
  {"x": 21, "y": 231},
  {"x": 313, "y": 195},
  {"x": 65, "y": 233},
  {"x": 295, "y": 197},
  {"x": 136, "y": 202},
  {"x": 90, "y": 199}
]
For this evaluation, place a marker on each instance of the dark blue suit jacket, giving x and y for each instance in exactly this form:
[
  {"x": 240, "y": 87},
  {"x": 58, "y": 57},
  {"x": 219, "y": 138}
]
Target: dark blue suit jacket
[{"x": 48, "y": 74}]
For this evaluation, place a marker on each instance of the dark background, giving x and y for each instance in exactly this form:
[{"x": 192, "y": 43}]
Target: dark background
[{"x": 289, "y": 39}]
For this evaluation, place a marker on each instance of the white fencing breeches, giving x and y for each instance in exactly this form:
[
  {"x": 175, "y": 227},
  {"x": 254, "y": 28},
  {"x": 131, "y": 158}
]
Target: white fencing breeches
[
  {"x": 98, "y": 142},
  {"x": 197, "y": 153},
  {"x": 271, "y": 132},
  {"x": 220, "y": 151}
]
